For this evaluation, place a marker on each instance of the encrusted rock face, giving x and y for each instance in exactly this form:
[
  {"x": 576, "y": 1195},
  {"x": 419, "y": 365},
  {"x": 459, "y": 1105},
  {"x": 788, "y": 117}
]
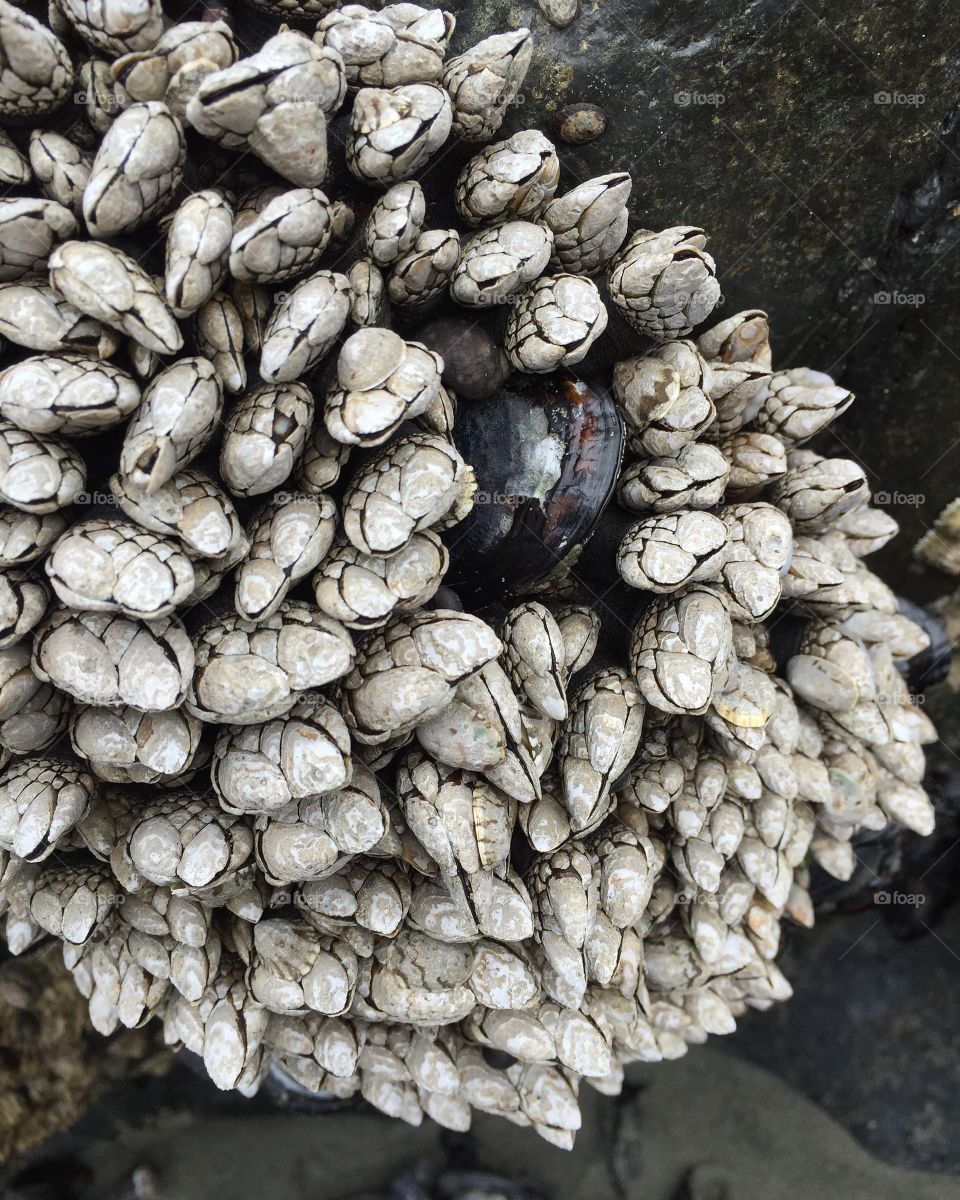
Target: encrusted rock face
[{"x": 450, "y": 570}]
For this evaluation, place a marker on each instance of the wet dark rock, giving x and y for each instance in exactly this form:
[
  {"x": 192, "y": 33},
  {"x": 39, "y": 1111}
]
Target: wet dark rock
[{"x": 474, "y": 364}]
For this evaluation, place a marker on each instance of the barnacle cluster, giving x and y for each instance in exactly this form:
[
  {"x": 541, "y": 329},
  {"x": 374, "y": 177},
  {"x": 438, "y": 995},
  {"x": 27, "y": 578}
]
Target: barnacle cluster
[{"x": 268, "y": 776}]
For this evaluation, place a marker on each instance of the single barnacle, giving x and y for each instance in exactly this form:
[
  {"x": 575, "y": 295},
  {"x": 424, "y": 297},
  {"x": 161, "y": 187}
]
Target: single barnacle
[
  {"x": 382, "y": 381},
  {"x": 304, "y": 326},
  {"x": 191, "y": 508},
  {"x": 497, "y": 263},
  {"x": 364, "y": 590},
  {"x": 663, "y": 397},
  {"x": 136, "y": 170},
  {"x": 394, "y": 131},
  {"x": 554, "y": 324},
  {"x": 588, "y": 223},
  {"x": 219, "y": 336},
  {"x": 664, "y": 283},
  {"x": 29, "y": 231},
  {"x": 35, "y": 70},
  {"x": 125, "y": 745},
  {"x": 368, "y": 294},
  {"x": 247, "y": 673},
  {"x": 197, "y": 250},
  {"x": 62, "y": 168},
  {"x": 693, "y": 477},
  {"x": 484, "y": 80},
  {"x": 289, "y": 536},
  {"x": 759, "y": 551},
  {"x": 149, "y": 73},
  {"x": 513, "y": 178},
  {"x": 41, "y": 802},
  {"x": 403, "y": 43},
  {"x": 32, "y": 314},
  {"x": 178, "y": 414},
  {"x": 38, "y": 473},
  {"x": 481, "y": 729},
  {"x": 664, "y": 553},
  {"x": 535, "y": 658},
  {"x": 264, "y": 768},
  {"x": 102, "y": 658},
  {"x": 186, "y": 842},
  {"x": 394, "y": 223},
  {"x": 410, "y": 485},
  {"x": 408, "y": 672},
  {"x": 814, "y": 492},
  {"x": 756, "y": 460},
  {"x": 115, "y": 26},
  {"x": 275, "y": 103},
  {"x": 107, "y": 565},
  {"x": 264, "y": 435},
  {"x": 103, "y": 282},
  {"x": 598, "y": 740},
  {"x": 680, "y": 650},
  {"x": 744, "y": 337},
  {"x": 799, "y": 403},
  {"x": 67, "y": 393},
  {"x": 425, "y": 270},
  {"x": 282, "y": 237}
]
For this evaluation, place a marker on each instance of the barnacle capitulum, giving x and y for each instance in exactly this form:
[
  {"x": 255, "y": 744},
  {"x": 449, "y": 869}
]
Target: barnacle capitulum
[{"x": 447, "y": 666}]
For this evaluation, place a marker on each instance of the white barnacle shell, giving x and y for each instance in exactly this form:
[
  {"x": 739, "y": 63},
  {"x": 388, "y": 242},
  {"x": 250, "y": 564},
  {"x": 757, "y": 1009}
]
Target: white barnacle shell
[
  {"x": 275, "y": 103},
  {"x": 289, "y": 537},
  {"x": 107, "y": 284},
  {"x": 283, "y": 237},
  {"x": 67, "y": 393},
  {"x": 108, "y": 565},
  {"x": 247, "y": 673},
  {"x": 35, "y": 70},
  {"x": 304, "y": 326},
  {"x": 588, "y": 223},
  {"x": 483, "y": 80},
  {"x": 407, "y": 487},
  {"x": 302, "y": 754},
  {"x": 664, "y": 283},
  {"x": 363, "y": 590},
  {"x": 395, "y": 221},
  {"x": 125, "y": 745},
  {"x": 178, "y": 414},
  {"x": 29, "y": 231},
  {"x": 191, "y": 508},
  {"x": 197, "y": 250},
  {"x": 62, "y": 168},
  {"x": 107, "y": 659},
  {"x": 512, "y": 178},
  {"x": 264, "y": 435},
  {"x": 407, "y": 672},
  {"x": 381, "y": 382},
  {"x": 394, "y": 131},
  {"x": 556, "y": 321},
  {"x": 115, "y": 26},
  {"x": 41, "y": 801},
  {"x": 148, "y": 74},
  {"x": 680, "y": 648},
  {"x": 497, "y": 263},
  {"x": 38, "y": 473},
  {"x": 137, "y": 169}
]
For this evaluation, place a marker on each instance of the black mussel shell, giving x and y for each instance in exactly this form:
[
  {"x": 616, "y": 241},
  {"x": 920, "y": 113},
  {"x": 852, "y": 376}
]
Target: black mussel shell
[
  {"x": 930, "y": 666},
  {"x": 546, "y": 453}
]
